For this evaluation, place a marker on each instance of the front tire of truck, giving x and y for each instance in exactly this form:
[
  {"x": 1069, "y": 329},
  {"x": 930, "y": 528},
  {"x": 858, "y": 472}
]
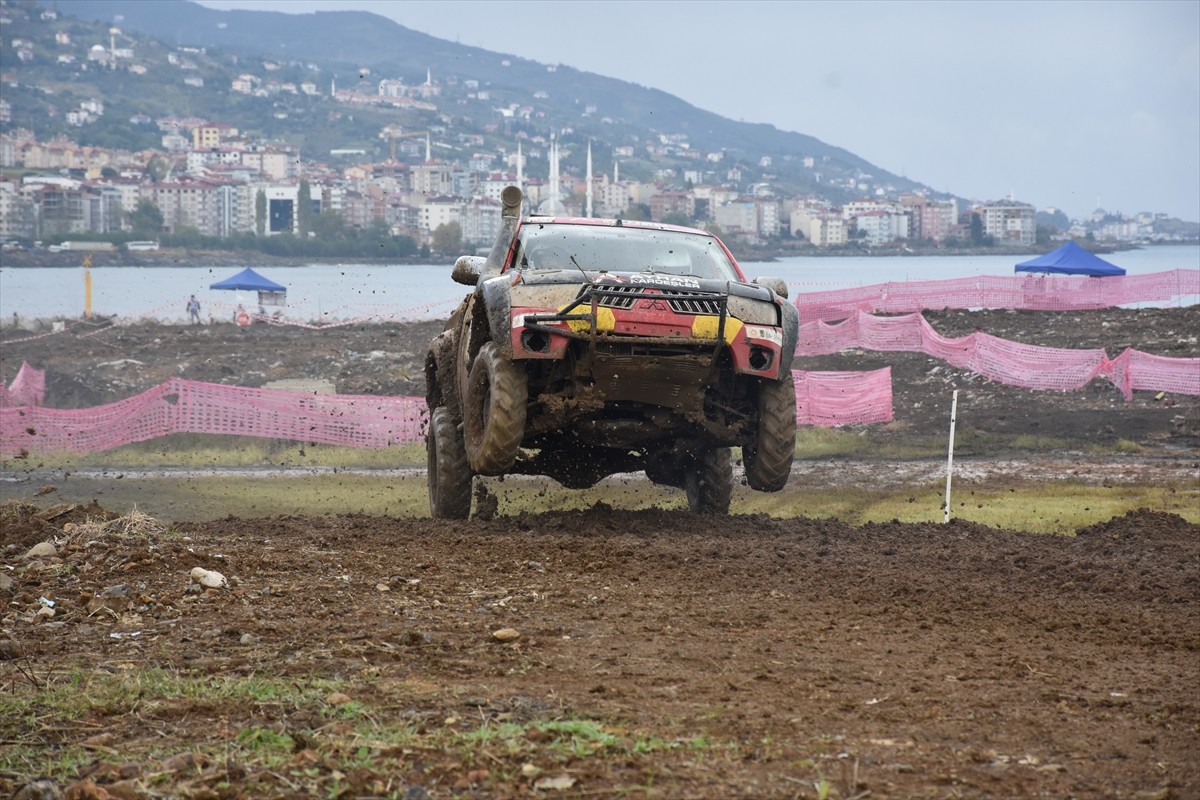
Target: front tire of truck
[
  {"x": 494, "y": 412},
  {"x": 449, "y": 475},
  {"x": 708, "y": 482},
  {"x": 768, "y": 459}
]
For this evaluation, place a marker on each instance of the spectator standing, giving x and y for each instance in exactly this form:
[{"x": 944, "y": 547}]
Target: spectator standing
[{"x": 193, "y": 310}]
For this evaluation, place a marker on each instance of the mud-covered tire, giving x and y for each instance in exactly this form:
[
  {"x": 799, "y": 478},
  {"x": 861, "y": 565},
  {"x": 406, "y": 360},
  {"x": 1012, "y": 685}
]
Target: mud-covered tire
[
  {"x": 494, "y": 412},
  {"x": 449, "y": 475},
  {"x": 708, "y": 482},
  {"x": 664, "y": 471},
  {"x": 768, "y": 459}
]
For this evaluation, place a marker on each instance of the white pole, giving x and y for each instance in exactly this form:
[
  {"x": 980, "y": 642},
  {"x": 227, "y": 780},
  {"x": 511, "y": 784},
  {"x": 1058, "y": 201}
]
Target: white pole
[{"x": 950, "y": 454}]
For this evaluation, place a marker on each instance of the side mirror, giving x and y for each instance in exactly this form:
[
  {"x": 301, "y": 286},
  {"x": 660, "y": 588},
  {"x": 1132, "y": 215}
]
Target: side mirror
[
  {"x": 468, "y": 269},
  {"x": 777, "y": 285}
]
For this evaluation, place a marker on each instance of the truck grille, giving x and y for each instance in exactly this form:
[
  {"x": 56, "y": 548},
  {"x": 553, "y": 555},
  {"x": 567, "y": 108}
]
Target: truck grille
[{"x": 681, "y": 302}]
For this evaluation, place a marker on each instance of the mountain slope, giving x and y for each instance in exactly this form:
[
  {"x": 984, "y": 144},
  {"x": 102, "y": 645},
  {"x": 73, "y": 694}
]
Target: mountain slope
[{"x": 349, "y": 40}]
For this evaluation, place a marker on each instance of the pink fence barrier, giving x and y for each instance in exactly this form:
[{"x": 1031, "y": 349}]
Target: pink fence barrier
[
  {"x": 1012, "y": 363},
  {"x": 1024, "y": 292},
  {"x": 28, "y": 388},
  {"x": 829, "y": 399},
  {"x": 180, "y": 406}
]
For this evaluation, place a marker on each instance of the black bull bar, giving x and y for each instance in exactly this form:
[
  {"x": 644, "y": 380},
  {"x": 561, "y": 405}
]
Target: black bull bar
[{"x": 591, "y": 297}]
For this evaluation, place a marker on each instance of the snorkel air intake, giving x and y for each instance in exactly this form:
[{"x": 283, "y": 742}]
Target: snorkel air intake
[{"x": 510, "y": 215}]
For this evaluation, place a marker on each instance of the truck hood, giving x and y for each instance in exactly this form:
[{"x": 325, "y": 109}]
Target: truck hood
[{"x": 654, "y": 280}]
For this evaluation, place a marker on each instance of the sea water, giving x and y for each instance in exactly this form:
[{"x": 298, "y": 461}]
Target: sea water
[{"x": 337, "y": 292}]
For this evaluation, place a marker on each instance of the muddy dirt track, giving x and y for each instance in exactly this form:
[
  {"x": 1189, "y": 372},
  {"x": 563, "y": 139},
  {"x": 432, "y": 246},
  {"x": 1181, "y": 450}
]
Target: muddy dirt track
[
  {"x": 741, "y": 657},
  {"x": 656, "y": 654}
]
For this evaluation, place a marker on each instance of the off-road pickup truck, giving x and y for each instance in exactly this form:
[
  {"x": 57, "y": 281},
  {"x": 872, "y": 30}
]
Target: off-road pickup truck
[{"x": 592, "y": 347}]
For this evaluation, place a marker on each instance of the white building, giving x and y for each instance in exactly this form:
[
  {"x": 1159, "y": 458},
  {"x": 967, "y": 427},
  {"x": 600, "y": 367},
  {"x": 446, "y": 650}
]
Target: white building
[
  {"x": 1008, "y": 221},
  {"x": 882, "y": 227}
]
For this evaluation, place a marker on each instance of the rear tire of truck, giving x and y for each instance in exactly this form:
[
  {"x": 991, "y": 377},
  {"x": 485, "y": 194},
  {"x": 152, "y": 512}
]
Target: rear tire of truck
[
  {"x": 494, "y": 412},
  {"x": 449, "y": 475},
  {"x": 708, "y": 482},
  {"x": 768, "y": 459}
]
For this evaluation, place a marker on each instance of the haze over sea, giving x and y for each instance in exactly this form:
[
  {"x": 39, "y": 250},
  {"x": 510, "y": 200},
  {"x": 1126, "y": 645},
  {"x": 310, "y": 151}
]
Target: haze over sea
[{"x": 332, "y": 292}]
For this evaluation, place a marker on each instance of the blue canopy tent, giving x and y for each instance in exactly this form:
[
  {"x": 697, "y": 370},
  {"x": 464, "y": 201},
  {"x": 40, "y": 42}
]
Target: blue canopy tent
[
  {"x": 1070, "y": 259},
  {"x": 270, "y": 293}
]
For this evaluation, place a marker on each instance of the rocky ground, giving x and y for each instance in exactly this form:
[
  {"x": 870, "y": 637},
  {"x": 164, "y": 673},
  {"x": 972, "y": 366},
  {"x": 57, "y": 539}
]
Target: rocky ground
[{"x": 607, "y": 652}]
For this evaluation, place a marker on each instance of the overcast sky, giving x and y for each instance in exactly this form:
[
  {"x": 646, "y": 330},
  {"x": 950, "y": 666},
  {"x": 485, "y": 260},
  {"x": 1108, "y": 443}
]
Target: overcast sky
[{"x": 1067, "y": 104}]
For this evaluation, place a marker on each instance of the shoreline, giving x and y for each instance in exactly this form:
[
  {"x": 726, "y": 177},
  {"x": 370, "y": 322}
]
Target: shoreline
[{"x": 182, "y": 257}]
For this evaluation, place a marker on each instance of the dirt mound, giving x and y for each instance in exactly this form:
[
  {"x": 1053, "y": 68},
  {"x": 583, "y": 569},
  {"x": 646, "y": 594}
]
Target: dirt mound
[
  {"x": 600, "y": 652},
  {"x": 26, "y": 524}
]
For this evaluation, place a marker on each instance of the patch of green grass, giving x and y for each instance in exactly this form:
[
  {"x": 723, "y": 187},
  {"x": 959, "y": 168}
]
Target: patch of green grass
[
  {"x": 256, "y": 716},
  {"x": 1036, "y": 442},
  {"x": 54, "y": 762},
  {"x": 1059, "y": 507},
  {"x": 264, "y": 739},
  {"x": 825, "y": 442}
]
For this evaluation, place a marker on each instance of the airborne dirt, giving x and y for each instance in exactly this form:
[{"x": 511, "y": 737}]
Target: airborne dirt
[{"x": 656, "y": 653}]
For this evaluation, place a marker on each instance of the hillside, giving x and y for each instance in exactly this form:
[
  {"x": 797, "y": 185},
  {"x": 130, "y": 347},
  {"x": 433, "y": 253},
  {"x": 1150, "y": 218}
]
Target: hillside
[{"x": 352, "y": 49}]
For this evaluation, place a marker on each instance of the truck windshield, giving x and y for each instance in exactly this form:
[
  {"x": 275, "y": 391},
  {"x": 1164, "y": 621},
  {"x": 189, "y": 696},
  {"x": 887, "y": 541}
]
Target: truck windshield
[{"x": 546, "y": 246}]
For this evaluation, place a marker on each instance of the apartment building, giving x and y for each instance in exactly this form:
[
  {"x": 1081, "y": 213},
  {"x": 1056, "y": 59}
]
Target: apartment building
[
  {"x": 739, "y": 217},
  {"x": 199, "y": 160},
  {"x": 18, "y": 215},
  {"x": 664, "y": 204},
  {"x": 1008, "y": 221},
  {"x": 433, "y": 178},
  {"x": 274, "y": 164},
  {"x": 186, "y": 204},
  {"x": 821, "y": 227},
  {"x": 236, "y": 207},
  {"x": 66, "y": 206},
  {"x": 360, "y": 209},
  {"x": 480, "y": 220},
  {"x": 213, "y": 134},
  {"x": 438, "y": 211},
  {"x": 403, "y": 219},
  {"x": 930, "y": 219},
  {"x": 882, "y": 227}
]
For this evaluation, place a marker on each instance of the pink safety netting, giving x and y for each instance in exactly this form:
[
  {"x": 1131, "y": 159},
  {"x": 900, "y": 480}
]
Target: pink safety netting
[
  {"x": 28, "y": 388},
  {"x": 180, "y": 406},
  {"x": 1022, "y": 292},
  {"x": 1012, "y": 363},
  {"x": 829, "y": 399}
]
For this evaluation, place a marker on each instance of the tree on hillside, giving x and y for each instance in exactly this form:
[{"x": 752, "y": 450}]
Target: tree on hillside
[
  {"x": 146, "y": 220},
  {"x": 329, "y": 225},
  {"x": 976, "y": 230},
  {"x": 638, "y": 211},
  {"x": 157, "y": 168},
  {"x": 260, "y": 213},
  {"x": 304, "y": 208},
  {"x": 676, "y": 218},
  {"x": 447, "y": 238}
]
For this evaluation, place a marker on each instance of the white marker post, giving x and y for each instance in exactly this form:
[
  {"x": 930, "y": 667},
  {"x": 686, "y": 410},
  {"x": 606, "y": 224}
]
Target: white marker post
[{"x": 950, "y": 454}]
